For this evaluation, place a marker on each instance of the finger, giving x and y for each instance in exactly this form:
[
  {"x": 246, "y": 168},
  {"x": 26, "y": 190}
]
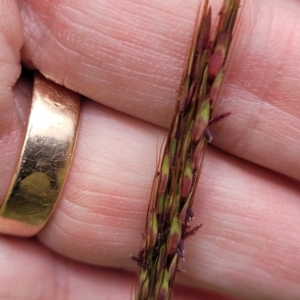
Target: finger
[
  {"x": 30, "y": 271},
  {"x": 130, "y": 57},
  {"x": 262, "y": 90},
  {"x": 250, "y": 237},
  {"x": 250, "y": 215},
  {"x": 11, "y": 113}
]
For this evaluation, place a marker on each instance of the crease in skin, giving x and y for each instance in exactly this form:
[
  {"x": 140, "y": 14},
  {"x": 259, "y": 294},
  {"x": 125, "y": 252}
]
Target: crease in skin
[
  {"x": 88, "y": 234},
  {"x": 106, "y": 209},
  {"x": 118, "y": 198},
  {"x": 109, "y": 206}
]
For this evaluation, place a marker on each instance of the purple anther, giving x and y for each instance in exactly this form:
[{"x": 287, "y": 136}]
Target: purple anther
[
  {"x": 139, "y": 262},
  {"x": 180, "y": 249},
  {"x": 189, "y": 215},
  {"x": 208, "y": 135}
]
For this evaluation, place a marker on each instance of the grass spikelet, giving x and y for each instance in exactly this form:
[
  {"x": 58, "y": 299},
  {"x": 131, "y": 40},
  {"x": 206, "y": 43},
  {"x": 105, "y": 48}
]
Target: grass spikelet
[{"x": 170, "y": 208}]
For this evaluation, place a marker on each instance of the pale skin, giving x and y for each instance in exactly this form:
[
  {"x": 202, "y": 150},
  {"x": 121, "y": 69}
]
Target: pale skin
[{"x": 129, "y": 55}]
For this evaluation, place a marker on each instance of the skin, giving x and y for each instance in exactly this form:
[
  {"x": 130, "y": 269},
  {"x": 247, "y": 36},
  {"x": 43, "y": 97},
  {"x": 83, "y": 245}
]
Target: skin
[{"x": 126, "y": 58}]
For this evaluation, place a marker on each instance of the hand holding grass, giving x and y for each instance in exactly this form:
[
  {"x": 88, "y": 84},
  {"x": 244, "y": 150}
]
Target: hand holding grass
[{"x": 249, "y": 244}]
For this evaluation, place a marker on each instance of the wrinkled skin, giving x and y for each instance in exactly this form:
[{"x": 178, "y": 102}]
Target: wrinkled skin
[{"x": 126, "y": 58}]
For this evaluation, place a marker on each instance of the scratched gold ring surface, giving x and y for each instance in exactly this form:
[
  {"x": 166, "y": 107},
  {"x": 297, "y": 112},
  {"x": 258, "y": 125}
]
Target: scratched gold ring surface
[{"x": 44, "y": 161}]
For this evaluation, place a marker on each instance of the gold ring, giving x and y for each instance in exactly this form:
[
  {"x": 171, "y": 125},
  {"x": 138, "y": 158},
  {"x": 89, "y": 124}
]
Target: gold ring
[{"x": 45, "y": 159}]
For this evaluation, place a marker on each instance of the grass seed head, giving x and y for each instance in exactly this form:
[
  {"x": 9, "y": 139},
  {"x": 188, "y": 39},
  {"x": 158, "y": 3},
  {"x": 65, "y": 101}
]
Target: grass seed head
[
  {"x": 163, "y": 284},
  {"x": 174, "y": 236},
  {"x": 152, "y": 234},
  {"x": 216, "y": 86},
  {"x": 201, "y": 122},
  {"x": 170, "y": 209},
  {"x": 187, "y": 180},
  {"x": 217, "y": 60},
  {"x": 164, "y": 173}
]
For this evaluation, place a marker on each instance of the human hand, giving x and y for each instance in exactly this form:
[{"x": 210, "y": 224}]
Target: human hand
[{"x": 129, "y": 56}]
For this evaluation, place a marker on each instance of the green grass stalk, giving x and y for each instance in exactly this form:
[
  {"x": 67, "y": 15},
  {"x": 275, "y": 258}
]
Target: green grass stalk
[{"x": 170, "y": 208}]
